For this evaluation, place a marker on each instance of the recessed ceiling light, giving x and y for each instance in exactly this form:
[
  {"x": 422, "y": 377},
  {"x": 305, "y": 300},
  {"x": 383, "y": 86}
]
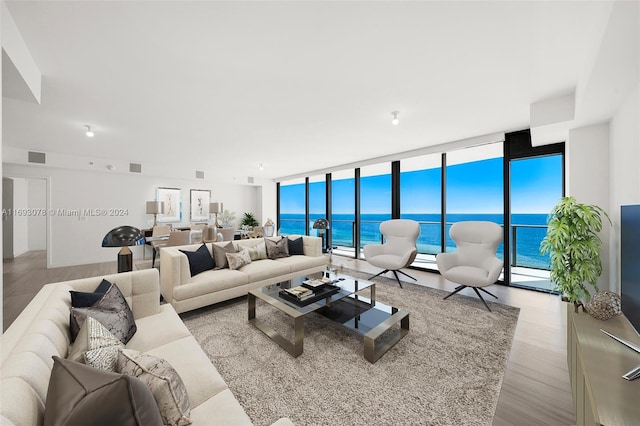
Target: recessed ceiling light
[
  {"x": 395, "y": 120},
  {"x": 261, "y": 166},
  {"x": 89, "y": 132}
]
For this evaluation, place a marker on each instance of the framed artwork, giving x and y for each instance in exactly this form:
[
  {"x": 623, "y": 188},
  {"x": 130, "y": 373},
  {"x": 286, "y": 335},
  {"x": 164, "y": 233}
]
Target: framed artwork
[
  {"x": 172, "y": 204},
  {"x": 200, "y": 205}
]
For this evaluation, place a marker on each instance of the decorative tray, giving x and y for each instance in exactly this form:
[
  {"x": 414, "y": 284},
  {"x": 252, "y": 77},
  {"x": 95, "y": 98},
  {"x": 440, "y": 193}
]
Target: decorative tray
[{"x": 318, "y": 294}]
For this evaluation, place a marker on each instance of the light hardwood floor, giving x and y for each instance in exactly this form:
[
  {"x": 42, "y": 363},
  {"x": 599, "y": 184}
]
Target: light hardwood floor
[{"x": 535, "y": 388}]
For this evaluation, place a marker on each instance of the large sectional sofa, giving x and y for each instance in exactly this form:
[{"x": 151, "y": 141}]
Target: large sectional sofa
[
  {"x": 186, "y": 292},
  {"x": 42, "y": 331}
]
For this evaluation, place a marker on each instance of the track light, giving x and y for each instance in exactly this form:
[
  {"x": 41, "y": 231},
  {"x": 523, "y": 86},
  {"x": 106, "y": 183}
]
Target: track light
[
  {"x": 395, "y": 120},
  {"x": 261, "y": 166},
  {"x": 89, "y": 132}
]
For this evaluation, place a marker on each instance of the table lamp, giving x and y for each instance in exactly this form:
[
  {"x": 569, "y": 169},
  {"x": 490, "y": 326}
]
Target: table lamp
[
  {"x": 155, "y": 208},
  {"x": 124, "y": 236},
  {"x": 215, "y": 208},
  {"x": 321, "y": 224}
]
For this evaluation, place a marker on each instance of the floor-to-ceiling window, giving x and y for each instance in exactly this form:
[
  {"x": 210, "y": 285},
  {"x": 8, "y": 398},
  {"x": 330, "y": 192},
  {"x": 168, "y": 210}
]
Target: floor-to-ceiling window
[
  {"x": 474, "y": 187},
  {"x": 317, "y": 201},
  {"x": 375, "y": 201},
  {"x": 343, "y": 217},
  {"x": 292, "y": 207},
  {"x": 421, "y": 200}
]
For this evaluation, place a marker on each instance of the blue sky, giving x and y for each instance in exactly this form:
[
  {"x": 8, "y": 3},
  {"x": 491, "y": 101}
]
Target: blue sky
[{"x": 474, "y": 187}]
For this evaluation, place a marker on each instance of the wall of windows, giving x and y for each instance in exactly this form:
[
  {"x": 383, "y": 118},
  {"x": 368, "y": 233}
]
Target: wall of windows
[{"x": 436, "y": 190}]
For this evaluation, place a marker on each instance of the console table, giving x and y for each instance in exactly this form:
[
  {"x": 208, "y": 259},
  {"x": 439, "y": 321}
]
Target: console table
[{"x": 596, "y": 365}]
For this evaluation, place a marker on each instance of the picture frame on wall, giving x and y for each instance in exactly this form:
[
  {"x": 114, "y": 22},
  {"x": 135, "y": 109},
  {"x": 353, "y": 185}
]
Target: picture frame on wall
[
  {"x": 172, "y": 204},
  {"x": 200, "y": 205}
]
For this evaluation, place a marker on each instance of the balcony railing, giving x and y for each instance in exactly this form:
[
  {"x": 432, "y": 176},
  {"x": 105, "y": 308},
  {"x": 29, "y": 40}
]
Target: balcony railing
[{"x": 524, "y": 238}]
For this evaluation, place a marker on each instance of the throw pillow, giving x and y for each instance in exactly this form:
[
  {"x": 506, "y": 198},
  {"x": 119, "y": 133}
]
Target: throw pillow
[
  {"x": 80, "y": 299},
  {"x": 82, "y": 395},
  {"x": 199, "y": 260},
  {"x": 163, "y": 381},
  {"x": 96, "y": 346},
  {"x": 238, "y": 260},
  {"x": 112, "y": 310},
  {"x": 220, "y": 254},
  {"x": 256, "y": 252},
  {"x": 277, "y": 249},
  {"x": 296, "y": 247}
]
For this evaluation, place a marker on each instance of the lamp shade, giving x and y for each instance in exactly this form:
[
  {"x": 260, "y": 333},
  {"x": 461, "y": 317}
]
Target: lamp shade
[
  {"x": 215, "y": 207},
  {"x": 321, "y": 224},
  {"x": 155, "y": 207},
  {"x": 123, "y": 236}
]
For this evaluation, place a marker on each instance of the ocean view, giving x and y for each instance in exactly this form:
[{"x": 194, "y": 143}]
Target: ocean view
[{"x": 529, "y": 233}]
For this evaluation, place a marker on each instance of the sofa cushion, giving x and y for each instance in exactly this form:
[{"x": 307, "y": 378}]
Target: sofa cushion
[
  {"x": 302, "y": 263},
  {"x": 257, "y": 252},
  {"x": 211, "y": 281},
  {"x": 163, "y": 381},
  {"x": 265, "y": 269},
  {"x": 112, "y": 310},
  {"x": 96, "y": 346},
  {"x": 81, "y": 299},
  {"x": 238, "y": 260},
  {"x": 220, "y": 254},
  {"x": 147, "y": 336},
  {"x": 199, "y": 260},
  {"x": 295, "y": 246},
  {"x": 277, "y": 249},
  {"x": 82, "y": 395}
]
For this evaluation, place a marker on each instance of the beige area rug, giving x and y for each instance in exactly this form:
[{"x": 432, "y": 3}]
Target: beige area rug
[{"x": 446, "y": 371}]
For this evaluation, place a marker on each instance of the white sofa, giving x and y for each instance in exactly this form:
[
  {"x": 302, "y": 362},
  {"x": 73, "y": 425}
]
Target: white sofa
[
  {"x": 42, "y": 330},
  {"x": 186, "y": 293}
]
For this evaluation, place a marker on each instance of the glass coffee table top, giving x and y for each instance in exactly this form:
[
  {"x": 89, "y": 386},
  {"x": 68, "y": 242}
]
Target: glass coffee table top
[{"x": 347, "y": 307}]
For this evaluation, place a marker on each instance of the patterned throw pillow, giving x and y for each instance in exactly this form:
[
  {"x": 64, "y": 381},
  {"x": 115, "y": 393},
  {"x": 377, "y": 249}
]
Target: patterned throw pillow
[
  {"x": 220, "y": 254},
  {"x": 277, "y": 249},
  {"x": 163, "y": 381},
  {"x": 199, "y": 260},
  {"x": 258, "y": 252},
  {"x": 112, "y": 310},
  {"x": 238, "y": 260},
  {"x": 96, "y": 346}
]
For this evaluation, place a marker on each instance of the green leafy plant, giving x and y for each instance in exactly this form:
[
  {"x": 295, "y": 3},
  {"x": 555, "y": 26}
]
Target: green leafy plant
[
  {"x": 574, "y": 247},
  {"x": 248, "y": 220}
]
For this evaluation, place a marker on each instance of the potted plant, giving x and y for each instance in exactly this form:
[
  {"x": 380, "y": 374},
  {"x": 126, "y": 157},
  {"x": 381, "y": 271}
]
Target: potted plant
[
  {"x": 248, "y": 220},
  {"x": 574, "y": 247}
]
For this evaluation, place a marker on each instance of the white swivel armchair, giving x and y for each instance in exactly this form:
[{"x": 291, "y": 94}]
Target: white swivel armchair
[
  {"x": 475, "y": 263},
  {"x": 399, "y": 249}
]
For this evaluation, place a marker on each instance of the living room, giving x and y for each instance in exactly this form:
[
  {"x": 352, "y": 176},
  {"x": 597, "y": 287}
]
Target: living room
[{"x": 238, "y": 105}]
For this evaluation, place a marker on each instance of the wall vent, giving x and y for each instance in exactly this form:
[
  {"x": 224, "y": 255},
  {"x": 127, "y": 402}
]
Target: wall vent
[
  {"x": 199, "y": 174},
  {"x": 37, "y": 157},
  {"x": 250, "y": 179},
  {"x": 135, "y": 168}
]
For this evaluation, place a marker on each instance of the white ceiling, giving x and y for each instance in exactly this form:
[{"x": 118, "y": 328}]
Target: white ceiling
[{"x": 297, "y": 86}]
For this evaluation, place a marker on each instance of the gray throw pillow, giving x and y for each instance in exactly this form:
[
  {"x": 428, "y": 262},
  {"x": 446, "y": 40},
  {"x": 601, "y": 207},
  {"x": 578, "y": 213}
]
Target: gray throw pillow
[
  {"x": 112, "y": 310},
  {"x": 277, "y": 249},
  {"x": 79, "y": 394},
  {"x": 163, "y": 381},
  {"x": 220, "y": 254},
  {"x": 238, "y": 260}
]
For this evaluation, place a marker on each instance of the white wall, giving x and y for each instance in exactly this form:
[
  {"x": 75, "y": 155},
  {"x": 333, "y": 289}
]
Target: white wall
[
  {"x": 587, "y": 175},
  {"x": 624, "y": 182},
  {"x": 20, "y": 222},
  {"x": 76, "y": 239},
  {"x": 37, "y": 224}
]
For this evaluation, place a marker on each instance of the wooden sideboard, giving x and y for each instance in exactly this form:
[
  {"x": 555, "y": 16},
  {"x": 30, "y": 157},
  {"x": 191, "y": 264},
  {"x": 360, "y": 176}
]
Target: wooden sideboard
[{"x": 596, "y": 365}]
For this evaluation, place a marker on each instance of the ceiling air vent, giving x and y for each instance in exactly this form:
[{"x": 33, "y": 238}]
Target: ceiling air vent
[
  {"x": 37, "y": 157},
  {"x": 199, "y": 174},
  {"x": 135, "y": 168},
  {"x": 250, "y": 179}
]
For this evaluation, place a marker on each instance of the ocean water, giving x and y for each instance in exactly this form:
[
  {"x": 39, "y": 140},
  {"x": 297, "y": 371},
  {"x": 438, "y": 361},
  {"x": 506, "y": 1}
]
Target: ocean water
[{"x": 529, "y": 230}]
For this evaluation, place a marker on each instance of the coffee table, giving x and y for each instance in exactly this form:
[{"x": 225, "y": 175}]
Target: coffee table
[{"x": 366, "y": 316}]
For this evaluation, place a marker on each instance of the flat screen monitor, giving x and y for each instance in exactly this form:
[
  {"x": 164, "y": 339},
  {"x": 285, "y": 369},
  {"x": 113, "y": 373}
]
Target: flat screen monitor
[{"x": 630, "y": 263}]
